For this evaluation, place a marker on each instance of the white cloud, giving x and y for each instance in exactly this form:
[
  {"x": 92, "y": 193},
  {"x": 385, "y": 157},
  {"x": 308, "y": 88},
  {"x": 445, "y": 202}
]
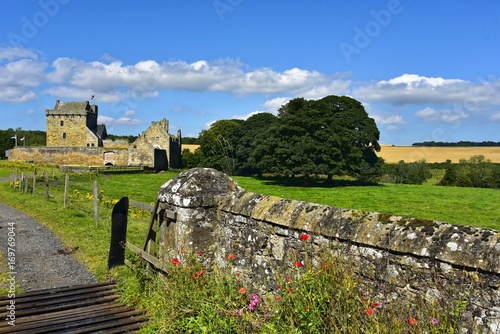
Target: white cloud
[
  {"x": 19, "y": 78},
  {"x": 394, "y": 119},
  {"x": 129, "y": 113},
  {"x": 441, "y": 116},
  {"x": 16, "y": 53},
  {"x": 415, "y": 89},
  {"x": 122, "y": 121}
]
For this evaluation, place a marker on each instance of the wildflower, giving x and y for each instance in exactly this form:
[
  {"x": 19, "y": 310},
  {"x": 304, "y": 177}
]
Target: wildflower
[
  {"x": 255, "y": 302},
  {"x": 298, "y": 264},
  {"x": 243, "y": 291},
  {"x": 199, "y": 252},
  {"x": 176, "y": 261},
  {"x": 288, "y": 278},
  {"x": 183, "y": 251},
  {"x": 238, "y": 274},
  {"x": 290, "y": 290},
  {"x": 369, "y": 311},
  {"x": 412, "y": 321},
  {"x": 306, "y": 308},
  {"x": 325, "y": 266},
  {"x": 278, "y": 298},
  {"x": 434, "y": 321},
  {"x": 199, "y": 274},
  {"x": 231, "y": 256},
  {"x": 375, "y": 305},
  {"x": 304, "y": 237}
]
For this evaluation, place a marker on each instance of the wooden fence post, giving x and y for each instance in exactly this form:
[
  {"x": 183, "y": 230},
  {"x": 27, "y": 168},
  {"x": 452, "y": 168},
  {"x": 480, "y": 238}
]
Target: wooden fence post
[
  {"x": 96, "y": 212},
  {"x": 66, "y": 186},
  {"x": 34, "y": 180},
  {"x": 26, "y": 185},
  {"x": 21, "y": 181},
  {"x": 47, "y": 193}
]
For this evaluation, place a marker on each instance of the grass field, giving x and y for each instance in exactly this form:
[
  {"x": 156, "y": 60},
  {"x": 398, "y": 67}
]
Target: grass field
[{"x": 394, "y": 154}]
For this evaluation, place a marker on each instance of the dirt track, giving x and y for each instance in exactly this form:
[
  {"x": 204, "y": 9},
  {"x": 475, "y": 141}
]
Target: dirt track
[{"x": 41, "y": 259}]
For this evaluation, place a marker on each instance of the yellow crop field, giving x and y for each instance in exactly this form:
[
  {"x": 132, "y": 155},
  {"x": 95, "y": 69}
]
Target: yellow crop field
[{"x": 394, "y": 154}]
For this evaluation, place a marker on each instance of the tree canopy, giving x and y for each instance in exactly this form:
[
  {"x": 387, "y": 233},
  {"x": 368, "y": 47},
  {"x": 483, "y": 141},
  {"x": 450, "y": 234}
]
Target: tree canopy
[{"x": 332, "y": 136}]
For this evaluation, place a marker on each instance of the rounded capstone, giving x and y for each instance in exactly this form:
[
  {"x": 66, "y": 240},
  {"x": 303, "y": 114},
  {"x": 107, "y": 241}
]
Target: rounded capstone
[{"x": 197, "y": 187}]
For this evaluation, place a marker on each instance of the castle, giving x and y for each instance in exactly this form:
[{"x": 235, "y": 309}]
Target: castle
[{"x": 75, "y": 138}]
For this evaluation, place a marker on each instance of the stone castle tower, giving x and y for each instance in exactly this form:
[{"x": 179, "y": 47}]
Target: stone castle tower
[{"x": 74, "y": 124}]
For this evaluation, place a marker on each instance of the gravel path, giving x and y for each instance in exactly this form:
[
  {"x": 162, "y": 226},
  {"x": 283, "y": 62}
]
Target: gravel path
[{"x": 41, "y": 259}]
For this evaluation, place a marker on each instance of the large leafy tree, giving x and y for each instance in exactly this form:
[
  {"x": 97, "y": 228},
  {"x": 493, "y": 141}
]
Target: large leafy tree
[
  {"x": 215, "y": 148},
  {"x": 244, "y": 137},
  {"x": 332, "y": 136}
]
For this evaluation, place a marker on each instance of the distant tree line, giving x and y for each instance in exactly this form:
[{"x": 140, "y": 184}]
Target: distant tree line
[
  {"x": 129, "y": 139},
  {"x": 457, "y": 144},
  {"x": 31, "y": 138}
]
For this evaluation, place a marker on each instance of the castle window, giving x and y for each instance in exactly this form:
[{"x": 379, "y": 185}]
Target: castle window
[
  {"x": 64, "y": 135},
  {"x": 88, "y": 144},
  {"x": 62, "y": 123},
  {"x": 92, "y": 144}
]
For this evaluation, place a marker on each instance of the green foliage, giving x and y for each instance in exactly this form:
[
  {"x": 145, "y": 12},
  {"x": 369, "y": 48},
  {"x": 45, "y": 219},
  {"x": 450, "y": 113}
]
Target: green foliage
[
  {"x": 327, "y": 298},
  {"x": 129, "y": 139},
  {"x": 190, "y": 140},
  {"x": 475, "y": 172},
  {"x": 245, "y": 139},
  {"x": 332, "y": 136},
  {"x": 216, "y": 150},
  {"x": 32, "y": 138},
  {"x": 407, "y": 173}
]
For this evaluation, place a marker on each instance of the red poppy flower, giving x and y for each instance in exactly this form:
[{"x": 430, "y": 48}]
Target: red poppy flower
[
  {"x": 412, "y": 321},
  {"x": 374, "y": 304},
  {"x": 298, "y": 264},
  {"x": 369, "y": 311},
  {"x": 176, "y": 261},
  {"x": 183, "y": 251},
  {"x": 199, "y": 252},
  {"x": 238, "y": 274},
  {"x": 304, "y": 237},
  {"x": 243, "y": 291},
  {"x": 199, "y": 274},
  {"x": 278, "y": 298},
  {"x": 231, "y": 256},
  {"x": 288, "y": 278}
]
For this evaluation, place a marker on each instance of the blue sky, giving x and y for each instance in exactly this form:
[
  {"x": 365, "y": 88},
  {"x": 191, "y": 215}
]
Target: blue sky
[{"x": 424, "y": 70}]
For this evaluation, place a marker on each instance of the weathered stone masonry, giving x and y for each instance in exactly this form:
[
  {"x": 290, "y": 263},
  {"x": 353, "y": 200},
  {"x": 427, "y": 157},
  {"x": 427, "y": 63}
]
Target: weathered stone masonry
[{"x": 428, "y": 258}]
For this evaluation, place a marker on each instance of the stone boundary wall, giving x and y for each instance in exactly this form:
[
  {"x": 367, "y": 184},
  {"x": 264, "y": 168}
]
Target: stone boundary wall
[
  {"x": 413, "y": 256},
  {"x": 91, "y": 156}
]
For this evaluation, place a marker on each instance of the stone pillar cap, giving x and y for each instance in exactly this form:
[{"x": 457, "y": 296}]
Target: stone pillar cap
[{"x": 197, "y": 187}]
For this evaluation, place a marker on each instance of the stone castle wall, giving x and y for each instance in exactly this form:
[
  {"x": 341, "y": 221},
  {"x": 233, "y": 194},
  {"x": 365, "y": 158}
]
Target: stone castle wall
[
  {"x": 412, "y": 256},
  {"x": 72, "y": 156}
]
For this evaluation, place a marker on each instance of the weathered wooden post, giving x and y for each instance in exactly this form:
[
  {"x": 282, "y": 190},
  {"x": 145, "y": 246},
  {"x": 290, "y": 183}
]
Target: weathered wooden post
[
  {"x": 47, "y": 193},
  {"x": 21, "y": 181},
  {"x": 66, "y": 186},
  {"x": 96, "y": 212},
  {"x": 34, "y": 180},
  {"x": 26, "y": 185}
]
